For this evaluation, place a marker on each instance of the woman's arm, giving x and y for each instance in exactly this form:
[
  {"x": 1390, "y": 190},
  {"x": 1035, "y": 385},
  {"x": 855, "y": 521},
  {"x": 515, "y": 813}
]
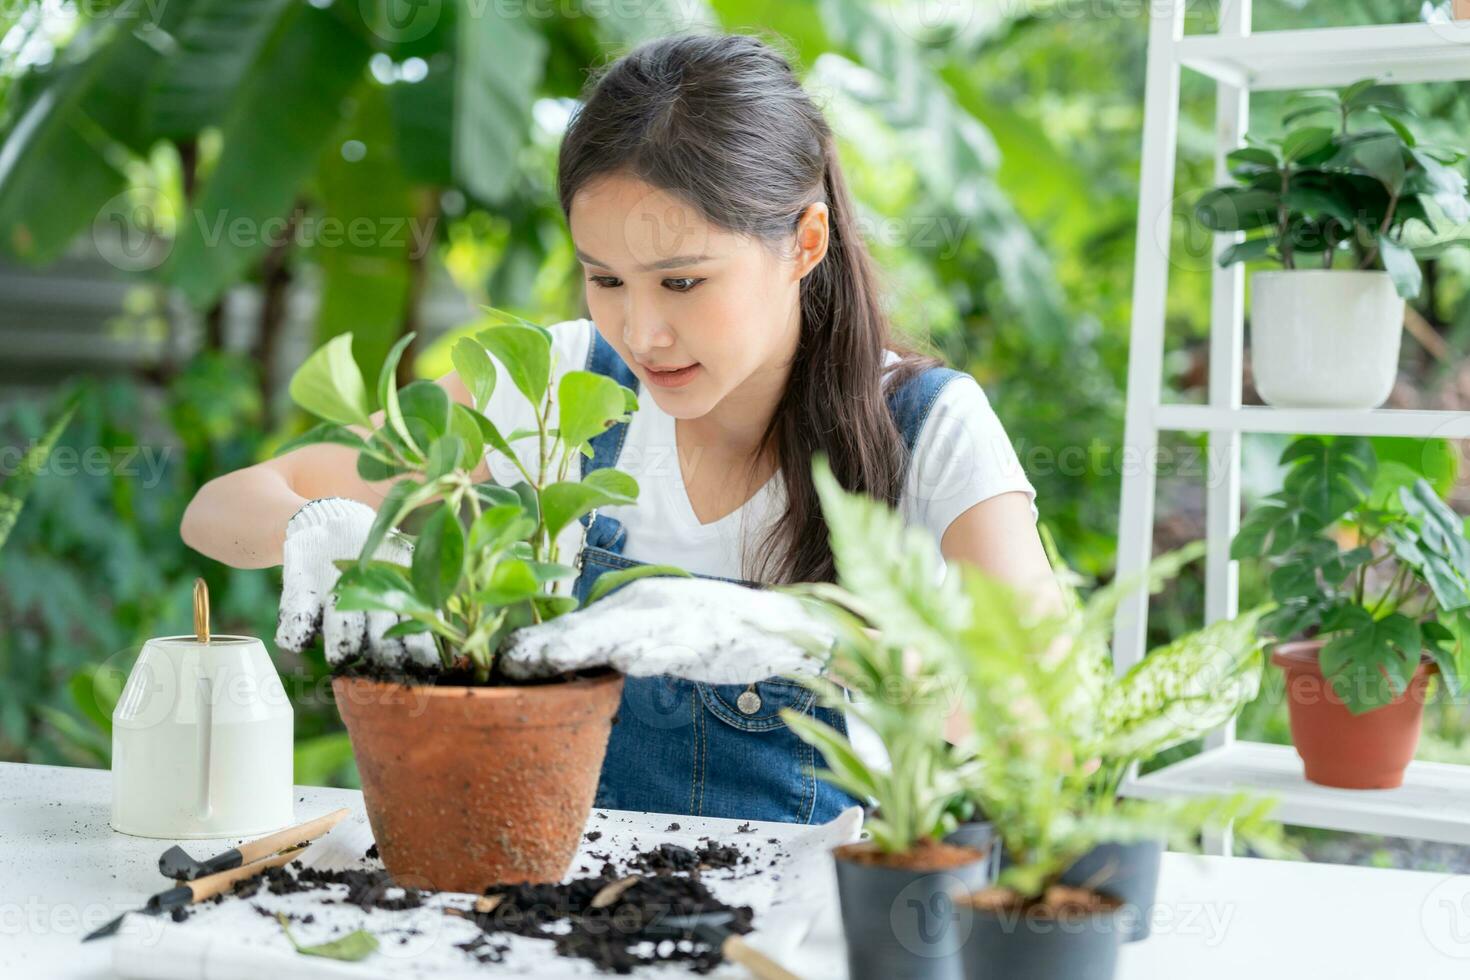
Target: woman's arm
[
  {"x": 240, "y": 518},
  {"x": 998, "y": 535}
]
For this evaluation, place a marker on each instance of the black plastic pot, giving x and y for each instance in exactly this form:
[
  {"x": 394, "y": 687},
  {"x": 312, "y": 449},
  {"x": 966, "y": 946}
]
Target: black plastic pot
[
  {"x": 979, "y": 834},
  {"x": 1129, "y": 871},
  {"x": 1010, "y": 945},
  {"x": 903, "y": 924}
]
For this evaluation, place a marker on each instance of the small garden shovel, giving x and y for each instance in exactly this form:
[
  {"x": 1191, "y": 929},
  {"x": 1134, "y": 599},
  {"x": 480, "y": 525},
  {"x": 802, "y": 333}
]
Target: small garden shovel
[{"x": 714, "y": 928}]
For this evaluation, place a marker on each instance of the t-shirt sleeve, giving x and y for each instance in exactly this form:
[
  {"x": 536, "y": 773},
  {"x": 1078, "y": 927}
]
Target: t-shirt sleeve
[
  {"x": 509, "y": 409},
  {"x": 963, "y": 456}
]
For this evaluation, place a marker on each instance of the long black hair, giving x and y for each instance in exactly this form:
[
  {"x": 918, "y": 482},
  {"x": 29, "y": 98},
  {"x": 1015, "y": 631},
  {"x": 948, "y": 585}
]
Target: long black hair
[{"x": 722, "y": 122}]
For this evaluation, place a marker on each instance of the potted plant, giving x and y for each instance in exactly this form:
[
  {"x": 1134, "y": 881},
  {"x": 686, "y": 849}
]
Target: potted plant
[
  {"x": 1346, "y": 212},
  {"x": 1045, "y": 726},
  {"x": 895, "y": 888},
  {"x": 1049, "y": 794},
  {"x": 470, "y": 778},
  {"x": 1178, "y": 692},
  {"x": 1371, "y": 571}
]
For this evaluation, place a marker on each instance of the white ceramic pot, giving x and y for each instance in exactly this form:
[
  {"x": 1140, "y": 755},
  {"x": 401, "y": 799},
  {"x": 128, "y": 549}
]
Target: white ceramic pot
[
  {"x": 201, "y": 742},
  {"x": 1325, "y": 339}
]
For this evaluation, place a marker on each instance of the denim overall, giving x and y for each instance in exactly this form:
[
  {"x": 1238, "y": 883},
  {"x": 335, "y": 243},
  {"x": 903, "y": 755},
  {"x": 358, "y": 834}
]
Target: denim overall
[{"x": 716, "y": 750}]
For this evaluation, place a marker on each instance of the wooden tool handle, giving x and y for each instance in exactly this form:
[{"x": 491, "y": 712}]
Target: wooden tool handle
[
  {"x": 271, "y": 843},
  {"x": 212, "y": 885},
  {"x": 201, "y": 611},
  {"x": 737, "y": 950}
]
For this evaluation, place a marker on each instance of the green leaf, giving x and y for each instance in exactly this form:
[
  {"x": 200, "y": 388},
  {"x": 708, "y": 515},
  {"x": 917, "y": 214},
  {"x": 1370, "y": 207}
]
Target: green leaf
[
  {"x": 425, "y": 408},
  {"x": 1368, "y": 659},
  {"x": 438, "y": 556},
  {"x": 511, "y": 581},
  {"x": 329, "y": 385},
  {"x": 1304, "y": 142},
  {"x": 1382, "y": 157},
  {"x": 1401, "y": 266},
  {"x": 475, "y": 369},
  {"x": 1237, "y": 208},
  {"x": 392, "y": 510},
  {"x": 462, "y": 425},
  {"x": 379, "y": 586},
  {"x": 525, "y": 353},
  {"x": 566, "y": 501},
  {"x": 1250, "y": 250},
  {"x": 501, "y": 57},
  {"x": 388, "y": 397},
  {"x": 17, "y": 486},
  {"x": 311, "y": 62},
  {"x": 445, "y": 454},
  {"x": 356, "y": 945},
  {"x": 1327, "y": 479},
  {"x": 498, "y": 526},
  {"x": 608, "y": 581},
  {"x": 589, "y": 403},
  {"x": 1315, "y": 200}
]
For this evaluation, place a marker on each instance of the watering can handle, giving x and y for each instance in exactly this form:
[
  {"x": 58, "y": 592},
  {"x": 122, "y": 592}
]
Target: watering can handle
[{"x": 203, "y": 713}]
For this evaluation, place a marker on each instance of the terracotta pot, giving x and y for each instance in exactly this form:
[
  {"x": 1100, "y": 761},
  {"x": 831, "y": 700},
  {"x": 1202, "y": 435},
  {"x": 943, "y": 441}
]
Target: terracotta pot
[
  {"x": 472, "y": 786},
  {"x": 1339, "y": 748}
]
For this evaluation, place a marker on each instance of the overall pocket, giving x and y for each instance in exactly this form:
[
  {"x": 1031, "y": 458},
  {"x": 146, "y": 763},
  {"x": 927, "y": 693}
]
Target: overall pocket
[{"x": 749, "y": 763}]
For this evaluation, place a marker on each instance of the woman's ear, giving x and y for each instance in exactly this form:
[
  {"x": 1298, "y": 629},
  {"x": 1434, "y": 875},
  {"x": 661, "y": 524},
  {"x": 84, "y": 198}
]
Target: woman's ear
[{"x": 812, "y": 238}]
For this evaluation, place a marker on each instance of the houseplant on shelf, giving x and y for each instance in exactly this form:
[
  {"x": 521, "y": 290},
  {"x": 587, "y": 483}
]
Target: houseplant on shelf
[
  {"x": 1047, "y": 738},
  {"x": 895, "y": 888},
  {"x": 1346, "y": 210},
  {"x": 1371, "y": 571},
  {"x": 470, "y": 778}
]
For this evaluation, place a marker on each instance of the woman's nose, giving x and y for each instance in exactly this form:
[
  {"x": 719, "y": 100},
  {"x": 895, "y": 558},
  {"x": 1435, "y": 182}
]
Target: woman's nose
[{"x": 644, "y": 329}]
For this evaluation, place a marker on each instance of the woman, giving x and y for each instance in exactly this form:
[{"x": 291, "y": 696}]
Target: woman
[{"x": 727, "y": 284}]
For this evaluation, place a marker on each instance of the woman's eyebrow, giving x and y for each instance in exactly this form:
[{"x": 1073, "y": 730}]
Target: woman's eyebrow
[{"x": 669, "y": 263}]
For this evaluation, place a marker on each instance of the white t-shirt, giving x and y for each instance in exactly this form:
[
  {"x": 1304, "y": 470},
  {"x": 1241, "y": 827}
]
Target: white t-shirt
[{"x": 963, "y": 456}]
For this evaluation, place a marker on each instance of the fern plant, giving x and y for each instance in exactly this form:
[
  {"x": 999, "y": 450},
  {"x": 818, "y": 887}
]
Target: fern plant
[
  {"x": 17, "y": 485},
  {"x": 1052, "y": 729}
]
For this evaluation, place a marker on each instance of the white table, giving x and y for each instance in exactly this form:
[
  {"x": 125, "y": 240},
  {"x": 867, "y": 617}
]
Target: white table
[{"x": 64, "y": 871}]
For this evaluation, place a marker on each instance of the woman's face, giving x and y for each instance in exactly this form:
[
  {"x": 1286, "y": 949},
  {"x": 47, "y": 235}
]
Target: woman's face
[{"x": 696, "y": 311}]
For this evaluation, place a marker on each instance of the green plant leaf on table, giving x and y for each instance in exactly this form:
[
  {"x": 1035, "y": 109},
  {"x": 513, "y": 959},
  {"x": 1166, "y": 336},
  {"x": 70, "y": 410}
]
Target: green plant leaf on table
[{"x": 356, "y": 945}]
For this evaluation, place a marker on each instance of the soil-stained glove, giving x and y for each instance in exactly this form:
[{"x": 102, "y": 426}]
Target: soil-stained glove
[
  {"x": 698, "y": 629},
  {"x": 322, "y": 531}
]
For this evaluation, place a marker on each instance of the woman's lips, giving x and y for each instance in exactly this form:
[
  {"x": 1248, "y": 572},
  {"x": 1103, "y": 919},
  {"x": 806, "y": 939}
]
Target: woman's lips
[{"x": 673, "y": 379}]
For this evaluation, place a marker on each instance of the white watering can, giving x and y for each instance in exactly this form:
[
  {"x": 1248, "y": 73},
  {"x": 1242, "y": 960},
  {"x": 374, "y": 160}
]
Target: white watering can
[{"x": 202, "y": 738}]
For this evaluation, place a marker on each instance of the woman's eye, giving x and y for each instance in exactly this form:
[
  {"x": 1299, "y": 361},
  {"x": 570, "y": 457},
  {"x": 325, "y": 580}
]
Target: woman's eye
[
  {"x": 682, "y": 285},
  {"x": 606, "y": 282}
]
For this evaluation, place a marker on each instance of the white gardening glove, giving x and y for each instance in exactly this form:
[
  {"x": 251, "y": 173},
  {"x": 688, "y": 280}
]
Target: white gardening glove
[
  {"x": 697, "y": 629},
  {"x": 322, "y": 531}
]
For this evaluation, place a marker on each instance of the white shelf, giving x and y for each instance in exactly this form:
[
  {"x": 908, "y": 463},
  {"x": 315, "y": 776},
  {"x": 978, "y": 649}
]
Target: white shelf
[
  {"x": 1432, "y": 804},
  {"x": 1315, "y": 421},
  {"x": 1335, "y": 56}
]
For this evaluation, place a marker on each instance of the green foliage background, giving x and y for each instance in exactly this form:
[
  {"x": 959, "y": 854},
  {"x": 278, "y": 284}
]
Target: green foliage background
[{"x": 995, "y": 154}]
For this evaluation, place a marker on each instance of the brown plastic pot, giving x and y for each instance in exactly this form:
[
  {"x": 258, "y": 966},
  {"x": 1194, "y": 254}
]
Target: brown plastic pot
[
  {"x": 467, "y": 787},
  {"x": 1337, "y": 747}
]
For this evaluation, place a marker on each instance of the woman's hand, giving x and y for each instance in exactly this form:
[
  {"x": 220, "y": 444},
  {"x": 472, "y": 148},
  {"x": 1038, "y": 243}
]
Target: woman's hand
[{"x": 323, "y": 531}]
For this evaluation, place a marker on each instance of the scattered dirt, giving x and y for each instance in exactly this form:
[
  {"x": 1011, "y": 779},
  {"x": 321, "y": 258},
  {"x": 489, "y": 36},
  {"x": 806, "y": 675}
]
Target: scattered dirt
[
  {"x": 669, "y": 858},
  {"x": 584, "y": 918},
  {"x": 926, "y": 855},
  {"x": 610, "y": 933}
]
